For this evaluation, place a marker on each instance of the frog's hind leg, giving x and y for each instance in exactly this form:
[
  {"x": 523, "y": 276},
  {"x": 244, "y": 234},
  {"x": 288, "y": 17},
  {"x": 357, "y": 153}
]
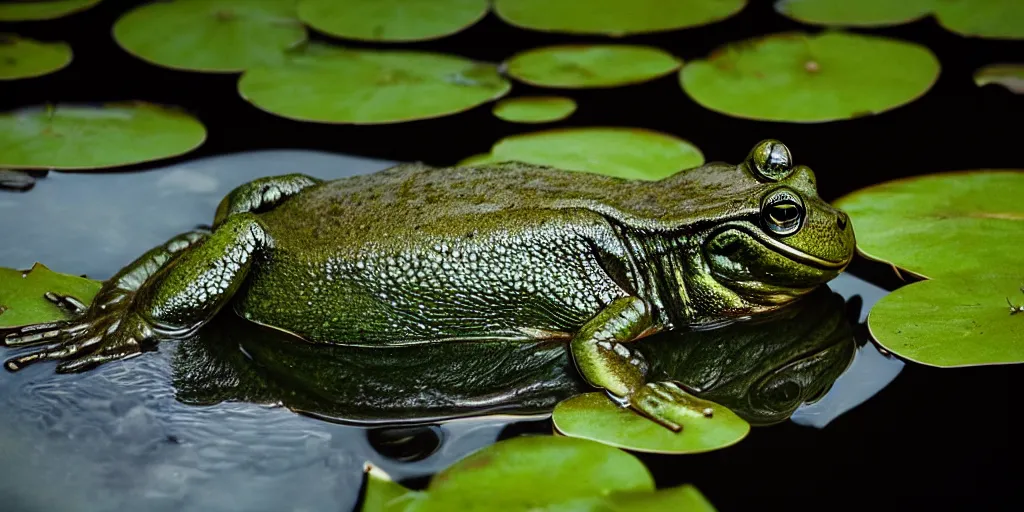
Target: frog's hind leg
[
  {"x": 169, "y": 292},
  {"x": 262, "y": 195}
]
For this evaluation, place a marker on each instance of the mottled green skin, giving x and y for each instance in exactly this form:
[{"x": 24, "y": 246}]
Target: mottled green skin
[{"x": 508, "y": 252}]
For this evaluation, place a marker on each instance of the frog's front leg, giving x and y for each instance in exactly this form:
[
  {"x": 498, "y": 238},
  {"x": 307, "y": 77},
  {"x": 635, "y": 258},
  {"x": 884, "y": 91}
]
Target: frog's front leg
[
  {"x": 169, "y": 292},
  {"x": 605, "y": 362}
]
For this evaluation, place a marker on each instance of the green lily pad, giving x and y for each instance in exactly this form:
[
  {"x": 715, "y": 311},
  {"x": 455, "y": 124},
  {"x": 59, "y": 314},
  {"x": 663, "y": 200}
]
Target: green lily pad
[
  {"x": 961, "y": 230},
  {"x": 593, "y": 416},
  {"x": 391, "y": 20},
  {"x": 25, "y": 58},
  {"x": 631, "y": 153},
  {"x": 75, "y": 137},
  {"x": 943, "y": 224},
  {"x": 583, "y": 66},
  {"x": 21, "y": 294},
  {"x": 798, "y": 77},
  {"x": 41, "y": 10},
  {"x": 953, "y": 321},
  {"x": 614, "y": 17},
  {"x": 684, "y": 498},
  {"x": 526, "y": 473},
  {"x": 1010, "y": 76},
  {"x": 214, "y": 36},
  {"x": 990, "y": 19},
  {"x": 336, "y": 85},
  {"x": 859, "y": 13},
  {"x": 382, "y": 494},
  {"x": 534, "y": 109}
]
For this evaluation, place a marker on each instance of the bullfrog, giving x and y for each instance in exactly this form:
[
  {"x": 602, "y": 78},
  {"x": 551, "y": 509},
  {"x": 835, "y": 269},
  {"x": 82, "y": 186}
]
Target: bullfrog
[{"x": 509, "y": 252}]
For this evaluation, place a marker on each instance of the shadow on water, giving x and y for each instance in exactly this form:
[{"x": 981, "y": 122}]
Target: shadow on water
[{"x": 237, "y": 418}]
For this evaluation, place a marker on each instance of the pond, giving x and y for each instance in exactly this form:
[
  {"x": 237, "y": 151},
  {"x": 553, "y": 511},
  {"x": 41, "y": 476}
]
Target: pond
[{"x": 191, "y": 427}]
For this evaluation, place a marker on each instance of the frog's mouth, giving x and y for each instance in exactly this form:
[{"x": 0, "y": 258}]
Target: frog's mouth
[{"x": 757, "y": 265}]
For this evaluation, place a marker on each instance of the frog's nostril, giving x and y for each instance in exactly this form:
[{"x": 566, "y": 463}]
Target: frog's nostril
[{"x": 842, "y": 220}]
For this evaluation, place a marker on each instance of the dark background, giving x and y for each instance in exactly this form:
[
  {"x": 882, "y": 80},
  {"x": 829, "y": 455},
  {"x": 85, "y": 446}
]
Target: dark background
[{"x": 941, "y": 439}]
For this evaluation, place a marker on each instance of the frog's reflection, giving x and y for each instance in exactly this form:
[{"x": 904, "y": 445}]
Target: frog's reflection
[{"x": 762, "y": 370}]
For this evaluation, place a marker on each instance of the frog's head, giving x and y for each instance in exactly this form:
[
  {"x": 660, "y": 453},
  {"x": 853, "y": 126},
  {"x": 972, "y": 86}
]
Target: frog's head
[{"x": 779, "y": 240}]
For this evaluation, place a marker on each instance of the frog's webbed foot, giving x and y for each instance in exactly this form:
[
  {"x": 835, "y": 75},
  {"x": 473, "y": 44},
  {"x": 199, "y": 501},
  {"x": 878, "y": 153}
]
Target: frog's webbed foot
[
  {"x": 667, "y": 404},
  {"x": 95, "y": 335}
]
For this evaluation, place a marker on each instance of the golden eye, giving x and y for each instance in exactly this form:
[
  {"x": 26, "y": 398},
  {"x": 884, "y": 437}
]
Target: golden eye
[
  {"x": 783, "y": 213},
  {"x": 771, "y": 160}
]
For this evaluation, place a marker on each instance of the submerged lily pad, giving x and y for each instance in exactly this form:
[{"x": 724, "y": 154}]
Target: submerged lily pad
[
  {"x": 631, "y": 153},
  {"x": 391, "y": 20},
  {"x": 25, "y": 58},
  {"x": 990, "y": 19},
  {"x": 962, "y": 230},
  {"x": 536, "y": 473},
  {"x": 219, "y": 36},
  {"x": 858, "y": 13},
  {"x": 953, "y": 321},
  {"x": 75, "y": 137},
  {"x": 798, "y": 77},
  {"x": 614, "y": 17},
  {"x": 42, "y": 10},
  {"x": 336, "y": 85},
  {"x": 21, "y": 294},
  {"x": 1010, "y": 76},
  {"x": 582, "y": 66},
  {"x": 534, "y": 109},
  {"x": 593, "y": 416}
]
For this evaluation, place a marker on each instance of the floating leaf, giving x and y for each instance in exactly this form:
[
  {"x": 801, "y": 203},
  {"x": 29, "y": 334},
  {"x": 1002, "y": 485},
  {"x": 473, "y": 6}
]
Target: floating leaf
[
  {"x": 953, "y": 321},
  {"x": 25, "y": 58},
  {"x": 614, "y": 17},
  {"x": 991, "y": 19},
  {"x": 583, "y": 66},
  {"x": 21, "y": 294},
  {"x": 963, "y": 230},
  {"x": 219, "y": 36},
  {"x": 860, "y": 13},
  {"x": 631, "y": 153},
  {"x": 527, "y": 473},
  {"x": 382, "y": 494},
  {"x": 943, "y": 224},
  {"x": 335, "y": 85},
  {"x": 685, "y": 498},
  {"x": 799, "y": 77},
  {"x": 74, "y": 137},
  {"x": 593, "y": 416},
  {"x": 42, "y": 10},
  {"x": 534, "y": 109},
  {"x": 1010, "y": 76},
  {"x": 391, "y": 20}
]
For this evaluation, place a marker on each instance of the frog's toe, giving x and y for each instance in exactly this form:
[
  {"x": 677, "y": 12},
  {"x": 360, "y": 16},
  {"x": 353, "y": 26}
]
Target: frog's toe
[
  {"x": 51, "y": 353},
  {"x": 68, "y": 303},
  {"x": 123, "y": 349},
  {"x": 41, "y": 334}
]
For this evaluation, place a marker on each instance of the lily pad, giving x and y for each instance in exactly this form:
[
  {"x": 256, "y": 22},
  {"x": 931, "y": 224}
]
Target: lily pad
[
  {"x": 217, "y": 36},
  {"x": 21, "y": 294},
  {"x": 42, "y": 10},
  {"x": 962, "y": 231},
  {"x": 585, "y": 66},
  {"x": 336, "y": 85},
  {"x": 534, "y": 109},
  {"x": 859, "y": 13},
  {"x": 684, "y": 498},
  {"x": 1010, "y": 76},
  {"x": 75, "y": 137},
  {"x": 614, "y": 17},
  {"x": 943, "y": 224},
  {"x": 391, "y": 20},
  {"x": 631, "y": 153},
  {"x": 990, "y": 19},
  {"x": 799, "y": 77},
  {"x": 953, "y": 321},
  {"x": 382, "y": 494},
  {"x": 593, "y": 416},
  {"x": 526, "y": 473},
  {"x": 25, "y": 58}
]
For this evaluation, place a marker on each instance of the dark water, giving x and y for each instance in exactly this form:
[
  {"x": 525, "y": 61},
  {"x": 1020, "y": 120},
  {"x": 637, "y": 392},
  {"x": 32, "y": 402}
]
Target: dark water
[{"x": 117, "y": 438}]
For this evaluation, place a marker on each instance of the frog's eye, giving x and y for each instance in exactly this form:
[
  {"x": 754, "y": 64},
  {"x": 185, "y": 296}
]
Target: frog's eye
[
  {"x": 770, "y": 159},
  {"x": 782, "y": 213}
]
